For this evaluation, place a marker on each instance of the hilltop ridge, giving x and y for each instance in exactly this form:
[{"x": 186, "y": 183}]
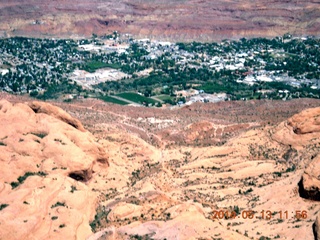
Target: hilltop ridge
[{"x": 179, "y": 20}]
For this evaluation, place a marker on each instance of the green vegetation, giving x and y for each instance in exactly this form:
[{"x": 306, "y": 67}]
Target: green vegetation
[
  {"x": 142, "y": 237},
  {"x": 279, "y": 174},
  {"x": 167, "y": 99},
  {"x": 248, "y": 191},
  {"x": 41, "y": 64},
  {"x": 112, "y": 100},
  {"x": 54, "y": 217},
  {"x": 291, "y": 169},
  {"x": 100, "y": 217},
  {"x": 43, "y": 67},
  {"x": 236, "y": 209},
  {"x": 221, "y": 86},
  {"x": 4, "y": 205},
  {"x": 3, "y": 144},
  {"x": 21, "y": 179},
  {"x": 58, "y": 204},
  {"x": 60, "y": 141},
  {"x": 40, "y": 134},
  {"x": 197, "y": 71},
  {"x": 73, "y": 188},
  {"x": 94, "y": 65},
  {"x": 14, "y": 184},
  {"x": 264, "y": 238}
]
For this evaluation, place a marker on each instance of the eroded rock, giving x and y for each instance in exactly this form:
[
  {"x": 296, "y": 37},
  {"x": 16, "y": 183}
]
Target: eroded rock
[
  {"x": 46, "y": 108},
  {"x": 308, "y": 121},
  {"x": 300, "y": 130},
  {"x": 310, "y": 182},
  {"x": 43, "y": 151}
]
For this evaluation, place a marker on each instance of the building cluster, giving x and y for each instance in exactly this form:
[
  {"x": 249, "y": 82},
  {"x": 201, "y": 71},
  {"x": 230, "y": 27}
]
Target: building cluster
[
  {"x": 87, "y": 79},
  {"x": 29, "y": 65}
]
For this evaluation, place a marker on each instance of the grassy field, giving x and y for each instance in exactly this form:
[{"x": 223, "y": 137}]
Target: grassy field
[
  {"x": 95, "y": 65},
  {"x": 134, "y": 97},
  {"x": 112, "y": 100},
  {"x": 164, "y": 97}
]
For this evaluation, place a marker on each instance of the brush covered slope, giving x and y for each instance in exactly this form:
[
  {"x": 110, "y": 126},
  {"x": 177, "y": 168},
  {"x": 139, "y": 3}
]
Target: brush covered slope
[{"x": 180, "y": 191}]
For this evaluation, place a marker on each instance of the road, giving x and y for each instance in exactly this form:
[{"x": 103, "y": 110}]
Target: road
[
  {"x": 125, "y": 100},
  {"x": 157, "y": 99}
]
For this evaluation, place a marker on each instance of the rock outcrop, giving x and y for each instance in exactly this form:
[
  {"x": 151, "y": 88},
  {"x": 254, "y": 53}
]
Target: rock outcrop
[
  {"x": 300, "y": 130},
  {"x": 39, "y": 107},
  {"x": 310, "y": 182},
  {"x": 46, "y": 160},
  {"x": 308, "y": 121},
  {"x": 189, "y": 217}
]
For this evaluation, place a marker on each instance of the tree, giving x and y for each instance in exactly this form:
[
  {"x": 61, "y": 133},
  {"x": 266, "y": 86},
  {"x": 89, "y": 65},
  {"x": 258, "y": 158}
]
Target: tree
[
  {"x": 147, "y": 92},
  {"x": 34, "y": 93}
]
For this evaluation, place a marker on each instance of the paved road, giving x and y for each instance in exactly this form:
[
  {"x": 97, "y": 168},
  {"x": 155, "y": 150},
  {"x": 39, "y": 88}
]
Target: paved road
[
  {"x": 125, "y": 100},
  {"x": 157, "y": 99}
]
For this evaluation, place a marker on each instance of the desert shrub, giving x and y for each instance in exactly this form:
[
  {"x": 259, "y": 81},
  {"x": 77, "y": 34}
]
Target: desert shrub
[
  {"x": 100, "y": 217},
  {"x": 278, "y": 174},
  {"x": 248, "y": 191},
  {"x": 73, "y": 188},
  {"x": 58, "y": 204},
  {"x": 264, "y": 238},
  {"x": 291, "y": 169},
  {"x": 236, "y": 209},
  {"x": 21, "y": 179},
  {"x": 2, "y": 206},
  {"x": 40, "y": 134}
]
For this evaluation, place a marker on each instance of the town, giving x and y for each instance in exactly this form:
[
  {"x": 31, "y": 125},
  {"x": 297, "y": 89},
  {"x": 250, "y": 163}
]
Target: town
[{"x": 120, "y": 69}]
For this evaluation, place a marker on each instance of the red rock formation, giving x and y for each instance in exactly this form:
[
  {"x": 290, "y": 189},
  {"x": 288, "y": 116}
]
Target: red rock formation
[
  {"x": 307, "y": 121},
  {"x": 46, "y": 160},
  {"x": 40, "y": 107},
  {"x": 176, "y": 20},
  {"x": 299, "y": 130},
  {"x": 310, "y": 185}
]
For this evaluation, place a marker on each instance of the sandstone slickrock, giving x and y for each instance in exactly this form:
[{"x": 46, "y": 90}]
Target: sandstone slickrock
[
  {"x": 46, "y": 160},
  {"x": 187, "y": 222},
  {"x": 139, "y": 190},
  {"x": 303, "y": 131},
  {"x": 39, "y": 107},
  {"x": 310, "y": 185},
  {"x": 299, "y": 130},
  {"x": 255, "y": 156},
  {"x": 308, "y": 121}
]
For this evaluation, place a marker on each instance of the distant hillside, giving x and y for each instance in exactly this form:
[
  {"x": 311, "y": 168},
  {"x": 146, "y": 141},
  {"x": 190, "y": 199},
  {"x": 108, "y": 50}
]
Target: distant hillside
[{"x": 167, "y": 19}]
